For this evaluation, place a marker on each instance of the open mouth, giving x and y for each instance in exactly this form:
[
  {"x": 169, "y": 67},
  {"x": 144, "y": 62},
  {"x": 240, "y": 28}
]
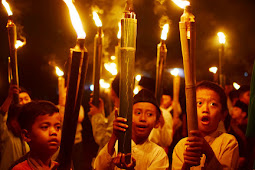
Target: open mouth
[
  {"x": 205, "y": 120},
  {"x": 141, "y": 127}
]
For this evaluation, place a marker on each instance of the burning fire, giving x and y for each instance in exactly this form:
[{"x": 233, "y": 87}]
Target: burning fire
[
  {"x": 97, "y": 19},
  {"x": 76, "y": 21},
  {"x": 19, "y": 44},
  {"x": 111, "y": 67},
  {"x": 7, "y": 7},
  {"x": 213, "y": 69},
  {"x": 221, "y": 36},
  {"x": 175, "y": 72},
  {"x": 104, "y": 84},
  {"x": 119, "y": 32},
  {"x": 236, "y": 86},
  {"x": 58, "y": 71},
  {"x": 164, "y": 32},
  {"x": 181, "y": 3}
]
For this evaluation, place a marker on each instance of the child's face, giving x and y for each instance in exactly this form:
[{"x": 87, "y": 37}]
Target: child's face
[
  {"x": 209, "y": 110},
  {"x": 144, "y": 120},
  {"x": 237, "y": 113},
  {"x": 45, "y": 135},
  {"x": 24, "y": 98}
]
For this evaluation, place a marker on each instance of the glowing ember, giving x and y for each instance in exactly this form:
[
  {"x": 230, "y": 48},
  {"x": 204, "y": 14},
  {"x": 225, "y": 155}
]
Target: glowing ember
[
  {"x": 236, "y": 86},
  {"x": 119, "y": 32},
  {"x": 76, "y": 21},
  {"x": 97, "y": 19},
  {"x": 7, "y": 7},
  {"x": 104, "y": 84},
  {"x": 111, "y": 67},
  {"x": 213, "y": 69},
  {"x": 59, "y": 72},
  {"x": 175, "y": 72},
  {"x": 181, "y": 3},
  {"x": 19, "y": 44},
  {"x": 164, "y": 31},
  {"x": 113, "y": 57},
  {"x": 221, "y": 36}
]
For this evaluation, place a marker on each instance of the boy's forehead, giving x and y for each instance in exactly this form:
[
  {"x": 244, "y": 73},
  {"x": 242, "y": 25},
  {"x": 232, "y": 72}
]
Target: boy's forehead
[
  {"x": 205, "y": 92},
  {"x": 147, "y": 105},
  {"x": 46, "y": 117}
]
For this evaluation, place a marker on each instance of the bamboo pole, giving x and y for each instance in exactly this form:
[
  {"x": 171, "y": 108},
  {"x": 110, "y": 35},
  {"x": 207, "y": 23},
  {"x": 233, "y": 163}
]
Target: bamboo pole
[
  {"x": 76, "y": 78},
  {"x": 188, "y": 42},
  {"x": 127, "y": 60},
  {"x": 98, "y": 48},
  {"x": 12, "y": 36},
  {"x": 161, "y": 59}
]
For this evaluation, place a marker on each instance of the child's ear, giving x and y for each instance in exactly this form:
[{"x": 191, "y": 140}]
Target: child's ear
[{"x": 25, "y": 135}]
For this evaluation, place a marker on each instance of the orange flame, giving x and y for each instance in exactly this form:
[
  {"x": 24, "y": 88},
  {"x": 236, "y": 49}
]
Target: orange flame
[
  {"x": 97, "y": 19},
  {"x": 119, "y": 32},
  {"x": 58, "y": 71},
  {"x": 164, "y": 31},
  {"x": 19, "y": 44},
  {"x": 221, "y": 36},
  {"x": 181, "y": 3},
  {"x": 7, "y": 7},
  {"x": 76, "y": 21},
  {"x": 175, "y": 72}
]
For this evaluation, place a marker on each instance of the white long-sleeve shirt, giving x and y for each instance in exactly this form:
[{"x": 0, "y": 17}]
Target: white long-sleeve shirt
[
  {"x": 224, "y": 146},
  {"x": 148, "y": 156}
]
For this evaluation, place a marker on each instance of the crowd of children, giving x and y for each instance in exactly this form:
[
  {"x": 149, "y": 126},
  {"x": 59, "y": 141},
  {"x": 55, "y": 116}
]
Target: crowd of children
[{"x": 31, "y": 132}]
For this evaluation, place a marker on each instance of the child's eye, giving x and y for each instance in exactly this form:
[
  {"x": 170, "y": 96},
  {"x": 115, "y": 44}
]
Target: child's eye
[
  {"x": 138, "y": 113},
  {"x": 199, "y": 103},
  {"x": 213, "y": 104},
  {"x": 44, "y": 127},
  {"x": 149, "y": 114},
  {"x": 58, "y": 127}
]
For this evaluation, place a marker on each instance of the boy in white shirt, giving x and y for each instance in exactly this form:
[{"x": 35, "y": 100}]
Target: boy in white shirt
[
  {"x": 207, "y": 148},
  {"x": 145, "y": 154}
]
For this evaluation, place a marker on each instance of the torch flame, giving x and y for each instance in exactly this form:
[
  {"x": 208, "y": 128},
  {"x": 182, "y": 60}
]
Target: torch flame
[
  {"x": 111, "y": 67},
  {"x": 221, "y": 36},
  {"x": 76, "y": 21},
  {"x": 97, "y": 19},
  {"x": 164, "y": 32},
  {"x": 19, "y": 44},
  {"x": 175, "y": 72},
  {"x": 7, "y": 7},
  {"x": 104, "y": 84},
  {"x": 236, "y": 86},
  {"x": 181, "y": 3},
  {"x": 58, "y": 71},
  {"x": 119, "y": 32},
  {"x": 213, "y": 69}
]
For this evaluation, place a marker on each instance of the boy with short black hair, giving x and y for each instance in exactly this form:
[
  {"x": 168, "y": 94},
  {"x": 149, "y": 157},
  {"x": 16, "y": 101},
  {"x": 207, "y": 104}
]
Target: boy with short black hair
[
  {"x": 207, "y": 148},
  {"x": 145, "y": 154},
  {"x": 41, "y": 128}
]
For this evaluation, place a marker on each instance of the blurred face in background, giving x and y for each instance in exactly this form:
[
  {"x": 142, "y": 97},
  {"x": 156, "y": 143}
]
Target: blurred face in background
[
  {"x": 166, "y": 101},
  {"x": 24, "y": 98}
]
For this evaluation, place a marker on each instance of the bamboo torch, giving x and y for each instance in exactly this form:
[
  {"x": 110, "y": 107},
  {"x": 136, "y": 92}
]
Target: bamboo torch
[
  {"x": 98, "y": 48},
  {"x": 61, "y": 86},
  {"x": 127, "y": 60},
  {"x": 188, "y": 43},
  {"x": 12, "y": 35},
  {"x": 117, "y": 48},
  {"x": 176, "y": 91},
  {"x": 77, "y": 69},
  {"x": 222, "y": 41},
  {"x": 161, "y": 59}
]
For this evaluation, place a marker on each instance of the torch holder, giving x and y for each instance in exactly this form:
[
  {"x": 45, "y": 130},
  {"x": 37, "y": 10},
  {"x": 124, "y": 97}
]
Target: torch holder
[
  {"x": 188, "y": 42},
  {"x": 127, "y": 63},
  {"x": 161, "y": 59},
  {"x": 75, "y": 84},
  {"x": 11, "y": 27},
  {"x": 98, "y": 48}
]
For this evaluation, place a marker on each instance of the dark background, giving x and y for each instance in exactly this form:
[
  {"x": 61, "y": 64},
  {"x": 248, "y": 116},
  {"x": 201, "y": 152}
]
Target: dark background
[{"x": 49, "y": 35}]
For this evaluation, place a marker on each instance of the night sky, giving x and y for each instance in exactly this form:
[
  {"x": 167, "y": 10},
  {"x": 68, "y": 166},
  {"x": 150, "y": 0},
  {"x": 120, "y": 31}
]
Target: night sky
[{"x": 49, "y": 35}]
